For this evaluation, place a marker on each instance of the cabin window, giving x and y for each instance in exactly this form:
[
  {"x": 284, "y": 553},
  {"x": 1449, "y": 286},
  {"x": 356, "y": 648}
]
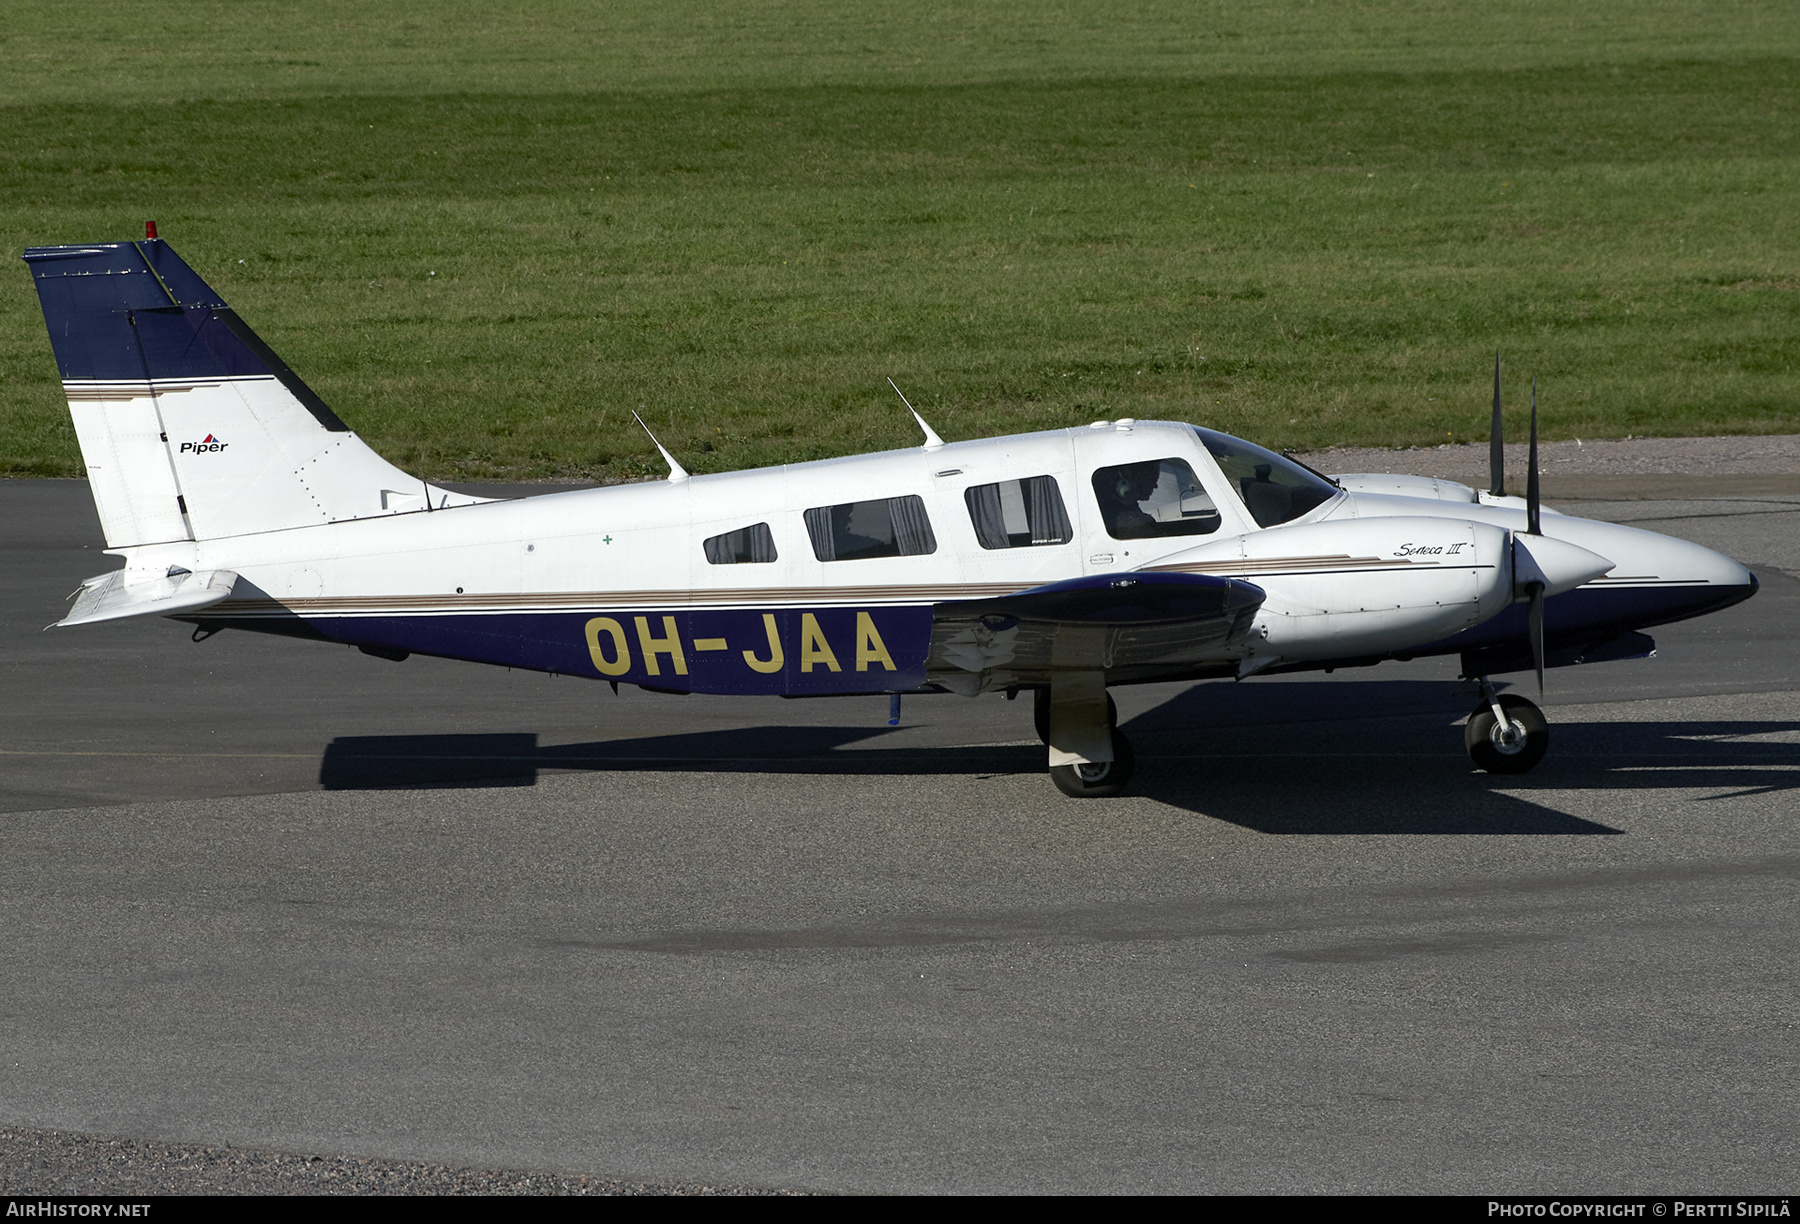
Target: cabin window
[
  {"x": 858, "y": 531},
  {"x": 1158, "y": 497},
  {"x": 1018, "y": 513},
  {"x": 745, "y": 546},
  {"x": 1275, "y": 489}
]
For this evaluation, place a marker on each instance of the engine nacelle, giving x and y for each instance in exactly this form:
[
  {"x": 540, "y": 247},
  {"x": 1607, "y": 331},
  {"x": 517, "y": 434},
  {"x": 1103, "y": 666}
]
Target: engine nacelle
[
  {"x": 1362, "y": 586},
  {"x": 1406, "y": 486}
]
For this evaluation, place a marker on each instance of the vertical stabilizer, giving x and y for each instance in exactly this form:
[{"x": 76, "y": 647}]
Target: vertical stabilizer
[{"x": 190, "y": 426}]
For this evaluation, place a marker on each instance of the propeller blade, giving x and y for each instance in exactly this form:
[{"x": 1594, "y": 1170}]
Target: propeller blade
[
  {"x": 1531, "y": 472},
  {"x": 1536, "y": 617},
  {"x": 1543, "y": 566},
  {"x": 1496, "y": 441},
  {"x": 1536, "y": 589}
]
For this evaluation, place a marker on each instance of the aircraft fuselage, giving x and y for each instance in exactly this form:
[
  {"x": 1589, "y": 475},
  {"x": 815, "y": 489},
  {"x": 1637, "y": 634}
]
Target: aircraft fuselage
[{"x": 616, "y": 583}]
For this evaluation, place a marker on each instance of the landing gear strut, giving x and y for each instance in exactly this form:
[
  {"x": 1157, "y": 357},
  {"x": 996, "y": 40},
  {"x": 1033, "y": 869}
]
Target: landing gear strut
[
  {"x": 1040, "y": 712},
  {"x": 1506, "y": 734},
  {"x": 1077, "y": 719}
]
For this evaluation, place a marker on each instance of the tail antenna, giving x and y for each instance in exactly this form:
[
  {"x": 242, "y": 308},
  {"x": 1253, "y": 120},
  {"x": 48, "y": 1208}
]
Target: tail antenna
[
  {"x": 677, "y": 473},
  {"x": 932, "y": 441},
  {"x": 1496, "y": 441}
]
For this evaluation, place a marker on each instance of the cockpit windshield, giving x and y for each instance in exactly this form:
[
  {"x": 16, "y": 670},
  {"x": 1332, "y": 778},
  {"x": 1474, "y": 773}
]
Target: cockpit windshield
[{"x": 1275, "y": 489}]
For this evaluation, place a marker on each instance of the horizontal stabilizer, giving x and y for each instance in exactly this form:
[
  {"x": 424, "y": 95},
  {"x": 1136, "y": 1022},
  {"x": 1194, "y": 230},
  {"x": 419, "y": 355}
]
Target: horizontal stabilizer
[{"x": 113, "y": 597}]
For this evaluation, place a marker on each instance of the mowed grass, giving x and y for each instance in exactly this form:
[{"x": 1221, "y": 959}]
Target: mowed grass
[{"x": 1313, "y": 241}]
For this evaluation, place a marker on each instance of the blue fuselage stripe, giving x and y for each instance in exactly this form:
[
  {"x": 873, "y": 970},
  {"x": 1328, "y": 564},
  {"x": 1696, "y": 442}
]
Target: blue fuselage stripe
[
  {"x": 786, "y": 651},
  {"x": 834, "y": 650}
]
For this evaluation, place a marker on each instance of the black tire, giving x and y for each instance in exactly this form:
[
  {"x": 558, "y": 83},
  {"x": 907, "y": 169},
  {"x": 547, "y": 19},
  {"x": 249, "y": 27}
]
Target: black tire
[
  {"x": 1487, "y": 750},
  {"x": 1098, "y": 781},
  {"x": 1040, "y": 713}
]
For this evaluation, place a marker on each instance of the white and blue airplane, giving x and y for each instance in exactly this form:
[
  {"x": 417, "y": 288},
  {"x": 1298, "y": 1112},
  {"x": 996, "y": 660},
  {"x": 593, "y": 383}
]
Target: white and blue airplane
[{"x": 1059, "y": 563}]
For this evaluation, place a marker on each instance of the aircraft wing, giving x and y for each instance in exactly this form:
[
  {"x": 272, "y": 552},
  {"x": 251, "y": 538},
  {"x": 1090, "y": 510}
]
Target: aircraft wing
[{"x": 1109, "y": 622}]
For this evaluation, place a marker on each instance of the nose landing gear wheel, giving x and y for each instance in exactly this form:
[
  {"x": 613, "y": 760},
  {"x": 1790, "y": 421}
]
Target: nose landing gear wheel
[
  {"x": 1513, "y": 749},
  {"x": 1101, "y": 781}
]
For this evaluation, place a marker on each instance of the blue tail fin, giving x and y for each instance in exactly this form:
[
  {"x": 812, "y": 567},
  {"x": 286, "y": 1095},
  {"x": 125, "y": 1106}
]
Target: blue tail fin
[
  {"x": 135, "y": 310},
  {"x": 190, "y": 426}
]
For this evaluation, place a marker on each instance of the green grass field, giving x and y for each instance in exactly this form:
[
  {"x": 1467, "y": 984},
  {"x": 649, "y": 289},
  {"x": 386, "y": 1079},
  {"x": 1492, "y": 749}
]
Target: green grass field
[{"x": 487, "y": 238}]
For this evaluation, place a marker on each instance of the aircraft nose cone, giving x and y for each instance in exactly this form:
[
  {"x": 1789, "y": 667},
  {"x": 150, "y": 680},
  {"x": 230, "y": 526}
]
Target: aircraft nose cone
[
  {"x": 1707, "y": 580},
  {"x": 1696, "y": 562},
  {"x": 1660, "y": 579},
  {"x": 1558, "y": 564}
]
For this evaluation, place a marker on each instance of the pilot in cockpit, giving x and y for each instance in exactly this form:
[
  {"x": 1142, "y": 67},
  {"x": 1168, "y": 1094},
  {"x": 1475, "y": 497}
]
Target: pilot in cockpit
[{"x": 1121, "y": 494}]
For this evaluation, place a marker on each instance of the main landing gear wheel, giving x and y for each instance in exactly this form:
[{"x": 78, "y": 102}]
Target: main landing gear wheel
[
  {"x": 1513, "y": 749},
  {"x": 1101, "y": 781}
]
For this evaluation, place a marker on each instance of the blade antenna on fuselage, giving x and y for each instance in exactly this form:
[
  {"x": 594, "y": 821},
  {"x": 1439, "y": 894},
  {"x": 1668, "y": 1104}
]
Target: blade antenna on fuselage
[
  {"x": 1496, "y": 441},
  {"x": 932, "y": 441},
  {"x": 677, "y": 473}
]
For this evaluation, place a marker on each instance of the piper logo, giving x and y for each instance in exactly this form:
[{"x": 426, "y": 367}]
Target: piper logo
[{"x": 210, "y": 444}]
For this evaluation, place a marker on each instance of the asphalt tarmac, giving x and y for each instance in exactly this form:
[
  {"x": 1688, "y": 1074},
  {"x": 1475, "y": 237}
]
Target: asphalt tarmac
[{"x": 285, "y": 896}]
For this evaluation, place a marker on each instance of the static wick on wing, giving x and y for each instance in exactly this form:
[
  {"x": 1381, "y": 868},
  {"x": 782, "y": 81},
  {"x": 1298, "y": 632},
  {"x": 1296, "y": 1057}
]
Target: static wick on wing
[
  {"x": 932, "y": 441},
  {"x": 677, "y": 473}
]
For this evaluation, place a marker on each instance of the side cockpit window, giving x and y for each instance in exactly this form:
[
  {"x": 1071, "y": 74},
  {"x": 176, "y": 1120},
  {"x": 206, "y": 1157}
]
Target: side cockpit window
[
  {"x": 1018, "y": 513},
  {"x": 859, "y": 531},
  {"x": 1275, "y": 489},
  {"x": 745, "y": 546},
  {"x": 1157, "y": 497}
]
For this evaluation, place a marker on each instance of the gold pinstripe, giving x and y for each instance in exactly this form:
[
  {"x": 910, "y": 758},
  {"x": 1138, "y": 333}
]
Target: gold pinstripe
[
  {"x": 512, "y": 601},
  {"x": 1334, "y": 563},
  {"x": 603, "y": 600},
  {"x": 130, "y": 389}
]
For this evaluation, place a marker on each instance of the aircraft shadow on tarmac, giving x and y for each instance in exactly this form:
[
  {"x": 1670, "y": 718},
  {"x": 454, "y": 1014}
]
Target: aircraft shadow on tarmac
[{"x": 1263, "y": 759}]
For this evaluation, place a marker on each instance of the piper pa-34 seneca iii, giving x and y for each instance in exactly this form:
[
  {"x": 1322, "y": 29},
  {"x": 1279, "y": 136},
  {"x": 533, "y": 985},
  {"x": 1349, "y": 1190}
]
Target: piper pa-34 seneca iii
[{"x": 1059, "y": 563}]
